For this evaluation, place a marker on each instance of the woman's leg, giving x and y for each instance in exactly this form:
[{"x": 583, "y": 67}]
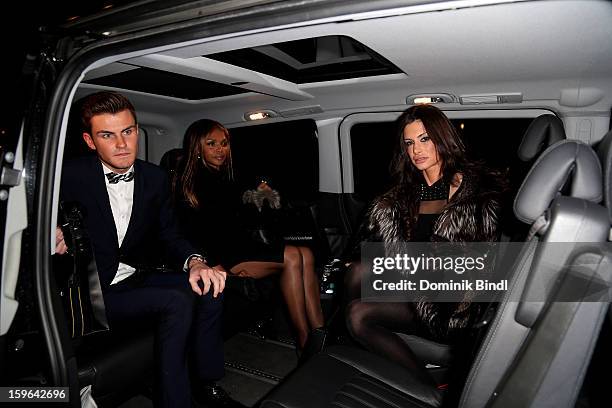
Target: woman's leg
[
  {"x": 372, "y": 325},
  {"x": 291, "y": 282},
  {"x": 292, "y": 285},
  {"x": 352, "y": 283},
  {"x": 312, "y": 293},
  {"x": 256, "y": 269}
]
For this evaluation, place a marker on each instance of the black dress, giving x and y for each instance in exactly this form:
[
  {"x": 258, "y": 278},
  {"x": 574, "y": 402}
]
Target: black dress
[
  {"x": 217, "y": 226},
  {"x": 440, "y": 321}
]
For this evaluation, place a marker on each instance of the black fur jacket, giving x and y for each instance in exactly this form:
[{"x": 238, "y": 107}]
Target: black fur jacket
[{"x": 471, "y": 215}]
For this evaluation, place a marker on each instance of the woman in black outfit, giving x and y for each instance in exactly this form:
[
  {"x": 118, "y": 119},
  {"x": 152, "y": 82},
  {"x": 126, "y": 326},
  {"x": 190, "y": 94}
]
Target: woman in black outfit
[
  {"x": 209, "y": 200},
  {"x": 438, "y": 196}
]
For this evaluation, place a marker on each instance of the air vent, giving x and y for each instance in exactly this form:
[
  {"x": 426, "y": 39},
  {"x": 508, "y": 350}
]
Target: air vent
[
  {"x": 308, "y": 110},
  {"x": 491, "y": 99}
]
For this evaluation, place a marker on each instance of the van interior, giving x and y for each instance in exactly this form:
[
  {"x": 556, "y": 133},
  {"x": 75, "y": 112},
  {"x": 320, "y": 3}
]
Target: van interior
[{"x": 310, "y": 93}]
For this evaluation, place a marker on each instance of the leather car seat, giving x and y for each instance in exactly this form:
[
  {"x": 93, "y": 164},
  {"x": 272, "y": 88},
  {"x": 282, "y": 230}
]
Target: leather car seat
[{"x": 544, "y": 131}]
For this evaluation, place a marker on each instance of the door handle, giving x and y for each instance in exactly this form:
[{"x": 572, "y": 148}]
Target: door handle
[{"x": 10, "y": 177}]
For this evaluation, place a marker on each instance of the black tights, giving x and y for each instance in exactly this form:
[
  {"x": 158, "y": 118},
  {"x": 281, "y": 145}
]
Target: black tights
[{"x": 372, "y": 324}]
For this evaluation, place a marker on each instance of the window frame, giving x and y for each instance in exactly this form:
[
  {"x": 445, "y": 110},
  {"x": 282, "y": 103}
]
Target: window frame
[
  {"x": 344, "y": 131},
  {"x": 288, "y": 148}
]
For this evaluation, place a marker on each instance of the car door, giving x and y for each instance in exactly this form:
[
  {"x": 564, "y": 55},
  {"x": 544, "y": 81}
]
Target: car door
[{"x": 33, "y": 351}]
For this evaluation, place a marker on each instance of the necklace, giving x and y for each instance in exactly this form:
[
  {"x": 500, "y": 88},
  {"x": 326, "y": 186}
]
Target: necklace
[{"x": 437, "y": 191}]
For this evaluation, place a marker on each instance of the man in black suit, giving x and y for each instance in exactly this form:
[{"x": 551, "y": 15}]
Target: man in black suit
[{"x": 130, "y": 220}]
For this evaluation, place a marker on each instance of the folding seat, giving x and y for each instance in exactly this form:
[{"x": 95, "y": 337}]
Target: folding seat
[
  {"x": 536, "y": 349},
  {"x": 542, "y": 132},
  {"x": 536, "y": 352}
]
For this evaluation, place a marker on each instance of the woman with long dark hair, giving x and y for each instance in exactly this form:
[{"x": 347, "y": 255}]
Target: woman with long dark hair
[
  {"x": 438, "y": 195},
  {"x": 209, "y": 200}
]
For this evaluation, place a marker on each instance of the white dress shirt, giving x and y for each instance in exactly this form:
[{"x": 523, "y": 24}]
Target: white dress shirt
[{"x": 121, "y": 197}]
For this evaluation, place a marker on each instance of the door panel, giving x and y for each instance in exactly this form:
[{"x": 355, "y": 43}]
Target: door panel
[
  {"x": 15, "y": 224},
  {"x": 35, "y": 349}
]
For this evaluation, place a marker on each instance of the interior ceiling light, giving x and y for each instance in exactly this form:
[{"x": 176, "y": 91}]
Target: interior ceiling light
[
  {"x": 259, "y": 115},
  {"x": 430, "y": 98}
]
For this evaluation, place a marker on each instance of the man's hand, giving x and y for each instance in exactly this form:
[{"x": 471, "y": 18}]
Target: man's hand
[
  {"x": 198, "y": 270},
  {"x": 60, "y": 244}
]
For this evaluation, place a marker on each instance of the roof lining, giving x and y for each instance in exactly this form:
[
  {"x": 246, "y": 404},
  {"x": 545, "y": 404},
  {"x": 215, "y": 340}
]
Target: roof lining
[{"x": 216, "y": 71}]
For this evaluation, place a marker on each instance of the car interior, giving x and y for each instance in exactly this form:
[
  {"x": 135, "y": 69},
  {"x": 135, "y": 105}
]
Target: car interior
[{"x": 310, "y": 93}]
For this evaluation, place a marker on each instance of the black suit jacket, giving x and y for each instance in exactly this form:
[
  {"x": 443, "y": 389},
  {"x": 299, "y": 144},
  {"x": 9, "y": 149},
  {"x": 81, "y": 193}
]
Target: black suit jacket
[{"x": 152, "y": 233}]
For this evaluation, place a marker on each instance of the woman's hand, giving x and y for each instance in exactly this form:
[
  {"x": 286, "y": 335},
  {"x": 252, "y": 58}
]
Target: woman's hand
[{"x": 264, "y": 186}]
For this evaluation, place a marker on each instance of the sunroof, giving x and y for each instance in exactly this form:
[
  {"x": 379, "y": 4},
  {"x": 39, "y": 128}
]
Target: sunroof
[
  {"x": 317, "y": 59},
  {"x": 158, "y": 82}
]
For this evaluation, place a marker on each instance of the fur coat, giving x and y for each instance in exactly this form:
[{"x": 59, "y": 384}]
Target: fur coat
[
  {"x": 471, "y": 215},
  {"x": 261, "y": 197}
]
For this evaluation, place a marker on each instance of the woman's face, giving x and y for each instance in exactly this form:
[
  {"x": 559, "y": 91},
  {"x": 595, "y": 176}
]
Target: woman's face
[
  {"x": 215, "y": 148},
  {"x": 420, "y": 148}
]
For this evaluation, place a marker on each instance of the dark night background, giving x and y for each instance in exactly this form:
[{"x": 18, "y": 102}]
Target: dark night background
[
  {"x": 20, "y": 29},
  {"x": 23, "y": 22}
]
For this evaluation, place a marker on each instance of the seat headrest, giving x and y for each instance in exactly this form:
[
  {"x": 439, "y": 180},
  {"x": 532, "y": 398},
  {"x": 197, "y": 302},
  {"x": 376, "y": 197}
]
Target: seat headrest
[
  {"x": 566, "y": 164},
  {"x": 544, "y": 131},
  {"x": 604, "y": 151},
  {"x": 170, "y": 159}
]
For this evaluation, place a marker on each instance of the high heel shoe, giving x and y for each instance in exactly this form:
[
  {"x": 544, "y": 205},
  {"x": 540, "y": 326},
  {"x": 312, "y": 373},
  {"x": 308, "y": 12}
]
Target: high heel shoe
[{"x": 314, "y": 345}]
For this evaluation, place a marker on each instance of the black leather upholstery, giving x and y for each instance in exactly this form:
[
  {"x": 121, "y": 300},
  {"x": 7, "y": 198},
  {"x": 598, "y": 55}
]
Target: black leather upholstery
[
  {"x": 428, "y": 351},
  {"x": 348, "y": 377},
  {"x": 544, "y": 131},
  {"x": 117, "y": 364}
]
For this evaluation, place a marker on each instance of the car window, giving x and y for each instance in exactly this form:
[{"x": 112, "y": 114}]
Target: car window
[
  {"x": 493, "y": 141},
  {"x": 285, "y": 152}
]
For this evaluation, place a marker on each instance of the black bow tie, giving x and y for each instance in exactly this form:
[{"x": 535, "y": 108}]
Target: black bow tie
[{"x": 114, "y": 178}]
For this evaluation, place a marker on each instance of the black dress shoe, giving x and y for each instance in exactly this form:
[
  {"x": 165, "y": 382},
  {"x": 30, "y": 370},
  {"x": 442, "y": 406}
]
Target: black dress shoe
[{"x": 211, "y": 395}]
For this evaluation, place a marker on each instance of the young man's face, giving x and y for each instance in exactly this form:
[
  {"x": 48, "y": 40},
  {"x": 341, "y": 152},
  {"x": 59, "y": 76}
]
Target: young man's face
[{"x": 114, "y": 137}]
